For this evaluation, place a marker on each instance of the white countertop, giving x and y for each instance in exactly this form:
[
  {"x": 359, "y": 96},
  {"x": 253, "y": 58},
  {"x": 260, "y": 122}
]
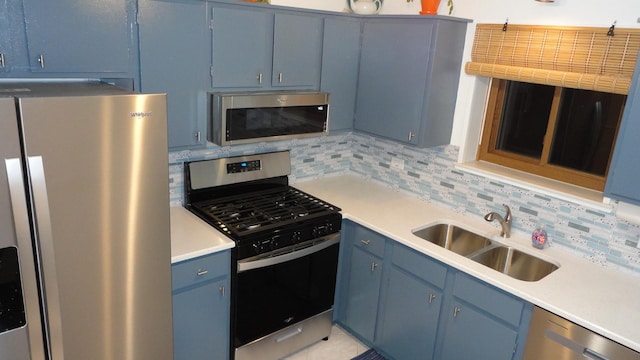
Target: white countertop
[
  {"x": 603, "y": 300},
  {"x": 192, "y": 237}
]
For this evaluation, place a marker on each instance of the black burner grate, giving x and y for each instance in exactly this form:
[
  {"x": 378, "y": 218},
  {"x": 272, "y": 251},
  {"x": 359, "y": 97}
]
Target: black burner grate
[{"x": 247, "y": 214}]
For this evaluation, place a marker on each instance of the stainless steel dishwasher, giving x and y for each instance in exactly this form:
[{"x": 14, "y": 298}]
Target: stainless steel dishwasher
[{"x": 552, "y": 337}]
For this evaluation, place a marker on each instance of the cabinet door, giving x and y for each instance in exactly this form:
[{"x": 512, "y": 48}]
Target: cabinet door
[
  {"x": 173, "y": 65},
  {"x": 71, "y": 36},
  {"x": 201, "y": 321},
  {"x": 5, "y": 38},
  {"x": 471, "y": 334},
  {"x": 409, "y": 319},
  {"x": 340, "y": 58},
  {"x": 242, "y": 47},
  {"x": 623, "y": 180},
  {"x": 362, "y": 295},
  {"x": 297, "y": 47},
  {"x": 393, "y": 75}
]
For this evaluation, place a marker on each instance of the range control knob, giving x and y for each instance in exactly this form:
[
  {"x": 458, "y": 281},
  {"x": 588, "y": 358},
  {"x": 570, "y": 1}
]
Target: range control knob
[
  {"x": 275, "y": 242},
  {"x": 319, "y": 230}
]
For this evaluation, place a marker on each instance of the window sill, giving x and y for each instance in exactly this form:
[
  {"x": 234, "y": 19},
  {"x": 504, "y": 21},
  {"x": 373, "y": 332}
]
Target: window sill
[{"x": 586, "y": 197}]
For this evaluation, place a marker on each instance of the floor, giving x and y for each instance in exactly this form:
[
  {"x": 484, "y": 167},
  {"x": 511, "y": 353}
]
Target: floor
[{"x": 340, "y": 346}]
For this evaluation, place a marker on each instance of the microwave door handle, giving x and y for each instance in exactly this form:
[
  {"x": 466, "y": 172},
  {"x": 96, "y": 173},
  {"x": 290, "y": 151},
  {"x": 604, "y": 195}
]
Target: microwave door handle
[
  {"x": 296, "y": 254},
  {"x": 29, "y": 277}
]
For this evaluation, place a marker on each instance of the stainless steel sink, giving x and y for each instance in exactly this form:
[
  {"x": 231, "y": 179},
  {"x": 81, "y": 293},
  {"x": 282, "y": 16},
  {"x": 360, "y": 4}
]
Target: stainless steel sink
[
  {"x": 483, "y": 250},
  {"x": 454, "y": 238},
  {"x": 514, "y": 263}
]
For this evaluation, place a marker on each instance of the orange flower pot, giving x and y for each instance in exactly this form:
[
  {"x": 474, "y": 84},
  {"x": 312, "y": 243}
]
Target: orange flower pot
[{"x": 429, "y": 7}]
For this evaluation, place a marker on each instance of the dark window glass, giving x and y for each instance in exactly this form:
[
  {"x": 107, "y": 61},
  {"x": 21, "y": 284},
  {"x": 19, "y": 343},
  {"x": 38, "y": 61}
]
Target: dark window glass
[
  {"x": 525, "y": 116},
  {"x": 586, "y": 130}
]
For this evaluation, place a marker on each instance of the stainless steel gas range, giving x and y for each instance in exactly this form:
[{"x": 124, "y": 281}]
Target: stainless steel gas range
[{"x": 285, "y": 260}]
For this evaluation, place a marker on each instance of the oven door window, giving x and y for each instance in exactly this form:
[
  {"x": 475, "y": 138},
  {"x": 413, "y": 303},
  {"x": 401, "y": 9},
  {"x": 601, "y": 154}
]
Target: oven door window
[
  {"x": 274, "y": 297},
  {"x": 251, "y": 123}
]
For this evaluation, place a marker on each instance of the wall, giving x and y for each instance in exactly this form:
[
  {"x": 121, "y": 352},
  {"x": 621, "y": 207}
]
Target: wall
[{"x": 429, "y": 174}]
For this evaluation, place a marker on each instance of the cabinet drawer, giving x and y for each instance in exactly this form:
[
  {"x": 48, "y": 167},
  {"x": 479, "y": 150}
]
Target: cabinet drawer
[
  {"x": 200, "y": 269},
  {"x": 488, "y": 298},
  {"x": 369, "y": 241},
  {"x": 420, "y": 265}
]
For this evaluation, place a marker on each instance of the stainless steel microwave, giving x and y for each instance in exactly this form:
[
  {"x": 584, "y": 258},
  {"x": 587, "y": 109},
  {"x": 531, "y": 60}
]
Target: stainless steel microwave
[{"x": 249, "y": 117}]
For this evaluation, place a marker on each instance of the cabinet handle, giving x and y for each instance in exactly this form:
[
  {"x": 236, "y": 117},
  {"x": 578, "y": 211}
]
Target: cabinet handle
[
  {"x": 373, "y": 266},
  {"x": 259, "y": 77},
  {"x": 431, "y": 298},
  {"x": 202, "y": 272},
  {"x": 456, "y": 310},
  {"x": 280, "y": 78},
  {"x": 1, "y": 60},
  {"x": 222, "y": 291},
  {"x": 365, "y": 242},
  {"x": 198, "y": 136},
  {"x": 410, "y": 136},
  {"x": 41, "y": 60}
]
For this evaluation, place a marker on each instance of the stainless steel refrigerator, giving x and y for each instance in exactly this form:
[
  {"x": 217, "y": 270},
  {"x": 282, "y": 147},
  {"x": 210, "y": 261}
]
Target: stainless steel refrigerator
[{"x": 85, "y": 270}]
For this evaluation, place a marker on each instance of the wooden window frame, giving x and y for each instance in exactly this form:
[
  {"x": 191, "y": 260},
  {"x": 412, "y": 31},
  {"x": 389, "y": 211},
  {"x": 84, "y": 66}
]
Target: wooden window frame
[{"x": 487, "y": 148}]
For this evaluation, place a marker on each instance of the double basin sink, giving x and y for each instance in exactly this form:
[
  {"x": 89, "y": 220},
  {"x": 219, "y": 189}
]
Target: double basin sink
[{"x": 497, "y": 256}]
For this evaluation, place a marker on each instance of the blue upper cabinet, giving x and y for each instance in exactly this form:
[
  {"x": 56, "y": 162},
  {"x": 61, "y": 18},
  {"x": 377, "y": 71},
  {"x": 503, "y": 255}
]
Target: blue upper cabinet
[
  {"x": 5, "y": 38},
  {"x": 408, "y": 78},
  {"x": 340, "y": 61},
  {"x": 242, "y": 43},
  {"x": 623, "y": 180},
  {"x": 175, "y": 66},
  {"x": 68, "y": 38},
  {"x": 256, "y": 47},
  {"x": 297, "y": 48}
]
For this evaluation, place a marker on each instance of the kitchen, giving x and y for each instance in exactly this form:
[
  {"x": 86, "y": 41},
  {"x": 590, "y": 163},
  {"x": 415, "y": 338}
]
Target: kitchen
[{"x": 345, "y": 153}]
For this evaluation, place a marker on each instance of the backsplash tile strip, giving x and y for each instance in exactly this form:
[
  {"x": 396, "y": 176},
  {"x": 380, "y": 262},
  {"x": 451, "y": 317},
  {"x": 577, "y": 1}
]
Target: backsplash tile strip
[{"x": 430, "y": 175}]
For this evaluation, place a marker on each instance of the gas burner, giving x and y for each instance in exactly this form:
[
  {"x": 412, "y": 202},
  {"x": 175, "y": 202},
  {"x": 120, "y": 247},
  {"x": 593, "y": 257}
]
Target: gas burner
[{"x": 250, "y": 212}]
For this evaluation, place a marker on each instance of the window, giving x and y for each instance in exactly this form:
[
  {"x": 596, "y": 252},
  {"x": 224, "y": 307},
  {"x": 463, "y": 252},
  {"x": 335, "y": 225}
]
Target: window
[
  {"x": 556, "y": 97},
  {"x": 561, "y": 133}
]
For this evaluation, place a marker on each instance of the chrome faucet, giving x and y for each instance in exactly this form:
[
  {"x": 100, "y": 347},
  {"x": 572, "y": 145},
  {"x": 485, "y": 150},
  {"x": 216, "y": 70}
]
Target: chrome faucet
[{"x": 505, "y": 222}]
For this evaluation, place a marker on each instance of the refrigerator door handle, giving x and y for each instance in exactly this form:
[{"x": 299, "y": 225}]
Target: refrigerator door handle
[
  {"x": 44, "y": 236},
  {"x": 26, "y": 255}
]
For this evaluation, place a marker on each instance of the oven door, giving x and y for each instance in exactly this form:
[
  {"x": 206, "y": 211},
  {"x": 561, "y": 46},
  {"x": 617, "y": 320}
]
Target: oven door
[{"x": 274, "y": 293}]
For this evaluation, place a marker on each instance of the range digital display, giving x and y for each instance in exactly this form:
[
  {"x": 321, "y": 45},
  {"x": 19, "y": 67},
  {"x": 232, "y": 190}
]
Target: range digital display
[{"x": 243, "y": 166}]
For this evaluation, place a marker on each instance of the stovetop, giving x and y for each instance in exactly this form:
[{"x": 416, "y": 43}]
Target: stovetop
[
  {"x": 247, "y": 214},
  {"x": 270, "y": 221},
  {"x": 249, "y": 199}
]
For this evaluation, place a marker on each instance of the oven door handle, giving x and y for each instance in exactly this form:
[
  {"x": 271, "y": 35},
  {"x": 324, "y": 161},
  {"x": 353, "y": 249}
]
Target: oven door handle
[{"x": 296, "y": 254}]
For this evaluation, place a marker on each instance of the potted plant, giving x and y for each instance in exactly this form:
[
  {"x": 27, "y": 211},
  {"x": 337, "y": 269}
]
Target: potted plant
[{"x": 430, "y": 7}]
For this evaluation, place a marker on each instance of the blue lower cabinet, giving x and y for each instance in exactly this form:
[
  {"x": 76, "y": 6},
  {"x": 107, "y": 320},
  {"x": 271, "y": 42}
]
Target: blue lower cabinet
[
  {"x": 201, "y": 308},
  {"x": 363, "y": 279},
  {"x": 472, "y": 334},
  {"x": 410, "y": 306},
  {"x": 483, "y": 322},
  {"x": 409, "y": 319}
]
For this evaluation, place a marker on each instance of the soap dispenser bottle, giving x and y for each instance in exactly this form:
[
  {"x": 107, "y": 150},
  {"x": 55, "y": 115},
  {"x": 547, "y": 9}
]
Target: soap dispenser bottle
[{"x": 539, "y": 237}]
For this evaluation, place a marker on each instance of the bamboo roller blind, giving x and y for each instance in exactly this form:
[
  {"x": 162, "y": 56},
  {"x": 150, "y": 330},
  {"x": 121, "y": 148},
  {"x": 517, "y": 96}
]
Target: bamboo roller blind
[{"x": 575, "y": 57}]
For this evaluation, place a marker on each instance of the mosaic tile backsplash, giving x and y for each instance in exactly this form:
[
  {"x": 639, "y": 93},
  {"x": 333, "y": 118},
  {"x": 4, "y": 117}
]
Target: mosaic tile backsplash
[{"x": 429, "y": 174}]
